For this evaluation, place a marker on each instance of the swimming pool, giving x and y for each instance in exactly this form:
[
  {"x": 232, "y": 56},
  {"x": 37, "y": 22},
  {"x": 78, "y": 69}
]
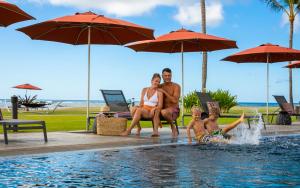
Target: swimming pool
[{"x": 274, "y": 162}]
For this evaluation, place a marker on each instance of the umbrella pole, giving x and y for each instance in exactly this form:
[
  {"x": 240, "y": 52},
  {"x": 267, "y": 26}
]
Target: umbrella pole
[
  {"x": 182, "y": 86},
  {"x": 89, "y": 72},
  {"x": 268, "y": 89}
]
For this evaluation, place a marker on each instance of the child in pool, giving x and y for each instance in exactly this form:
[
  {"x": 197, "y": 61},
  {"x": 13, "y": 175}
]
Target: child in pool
[
  {"x": 197, "y": 125},
  {"x": 202, "y": 134},
  {"x": 211, "y": 125}
]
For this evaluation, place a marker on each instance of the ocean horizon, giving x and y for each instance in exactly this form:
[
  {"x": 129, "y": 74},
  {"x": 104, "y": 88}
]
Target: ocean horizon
[{"x": 95, "y": 103}]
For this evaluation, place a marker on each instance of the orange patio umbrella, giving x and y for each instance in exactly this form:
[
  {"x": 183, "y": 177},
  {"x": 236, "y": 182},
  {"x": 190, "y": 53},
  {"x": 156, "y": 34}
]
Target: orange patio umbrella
[
  {"x": 265, "y": 53},
  {"x": 181, "y": 41},
  {"x": 27, "y": 87},
  {"x": 294, "y": 65},
  {"x": 10, "y": 13},
  {"x": 88, "y": 28}
]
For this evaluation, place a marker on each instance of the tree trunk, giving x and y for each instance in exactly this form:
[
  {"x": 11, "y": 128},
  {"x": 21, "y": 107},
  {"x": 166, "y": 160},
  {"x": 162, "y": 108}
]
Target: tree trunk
[
  {"x": 204, "y": 60},
  {"x": 290, "y": 70}
]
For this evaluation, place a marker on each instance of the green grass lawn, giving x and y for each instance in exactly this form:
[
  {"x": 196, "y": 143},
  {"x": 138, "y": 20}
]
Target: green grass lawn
[{"x": 69, "y": 119}]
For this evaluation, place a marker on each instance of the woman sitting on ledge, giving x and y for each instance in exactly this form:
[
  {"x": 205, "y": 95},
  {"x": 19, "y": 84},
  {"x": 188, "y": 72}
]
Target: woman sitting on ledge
[{"x": 150, "y": 105}]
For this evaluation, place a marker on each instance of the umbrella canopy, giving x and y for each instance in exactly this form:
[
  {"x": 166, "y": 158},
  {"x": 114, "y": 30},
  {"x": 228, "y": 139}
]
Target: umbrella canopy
[
  {"x": 10, "y": 13},
  {"x": 88, "y": 28},
  {"x": 182, "y": 41},
  {"x": 76, "y": 29},
  {"x": 294, "y": 65},
  {"x": 27, "y": 86},
  {"x": 265, "y": 53}
]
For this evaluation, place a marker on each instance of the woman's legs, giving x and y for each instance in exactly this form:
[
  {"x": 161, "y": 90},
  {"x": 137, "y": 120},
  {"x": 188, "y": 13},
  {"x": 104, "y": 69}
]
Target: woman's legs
[
  {"x": 139, "y": 113},
  {"x": 156, "y": 122},
  {"x": 234, "y": 124},
  {"x": 139, "y": 128}
]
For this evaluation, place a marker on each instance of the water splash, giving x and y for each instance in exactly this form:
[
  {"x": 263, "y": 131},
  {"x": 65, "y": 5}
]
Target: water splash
[{"x": 243, "y": 135}]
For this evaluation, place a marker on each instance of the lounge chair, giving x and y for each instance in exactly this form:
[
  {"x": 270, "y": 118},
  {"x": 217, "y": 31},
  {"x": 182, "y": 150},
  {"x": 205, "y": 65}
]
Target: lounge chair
[
  {"x": 116, "y": 101},
  {"x": 13, "y": 124},
  {"x": 205, "y": 97},
  {"x": 285, "y": 106},
  {"x": 53, "y": 106}
]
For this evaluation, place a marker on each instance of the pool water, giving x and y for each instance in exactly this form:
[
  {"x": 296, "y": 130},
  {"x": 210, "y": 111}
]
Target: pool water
[{"x": 274, "y": 162}]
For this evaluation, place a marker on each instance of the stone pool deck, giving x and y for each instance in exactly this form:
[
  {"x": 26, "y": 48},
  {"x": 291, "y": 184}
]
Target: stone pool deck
[{"x": 32, "y": 143}]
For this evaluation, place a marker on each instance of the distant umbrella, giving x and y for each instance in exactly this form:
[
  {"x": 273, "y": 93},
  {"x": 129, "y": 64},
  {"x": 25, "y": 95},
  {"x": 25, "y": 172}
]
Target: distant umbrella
[
  {"x": 10, "y": 14},
  {"x": 27, "y": 86},
  {"x": 294, "y": 65}
]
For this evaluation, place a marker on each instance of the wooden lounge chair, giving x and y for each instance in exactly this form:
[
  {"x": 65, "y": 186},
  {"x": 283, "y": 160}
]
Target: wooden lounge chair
[
  {"x": 14, "y": 125},
  {"x": 285, "y": 107},
  {"x": 205, "y": 98},
  {"x": 116, "y": 101}
]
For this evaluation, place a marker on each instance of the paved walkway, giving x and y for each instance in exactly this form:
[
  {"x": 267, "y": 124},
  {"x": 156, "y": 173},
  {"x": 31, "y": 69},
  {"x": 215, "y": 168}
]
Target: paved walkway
[{"x": 32, "y": 143}]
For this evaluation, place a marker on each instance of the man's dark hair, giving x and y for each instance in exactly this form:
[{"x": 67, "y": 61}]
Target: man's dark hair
[{"x": 167, "y": 70}]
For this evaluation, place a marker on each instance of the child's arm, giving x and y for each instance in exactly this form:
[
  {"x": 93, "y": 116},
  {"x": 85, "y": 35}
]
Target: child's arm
[
  {"x": 205, "y": 122},
  {"x": 188, "y": 130}
]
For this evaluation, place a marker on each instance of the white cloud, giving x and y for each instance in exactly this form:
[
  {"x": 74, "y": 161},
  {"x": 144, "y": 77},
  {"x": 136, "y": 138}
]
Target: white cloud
[
  {"x": 285, "y": 22},
  {"x": 190, "y": 14},
  {"x": 115, "y": 7},
  {"x": 188, "y": 10}
]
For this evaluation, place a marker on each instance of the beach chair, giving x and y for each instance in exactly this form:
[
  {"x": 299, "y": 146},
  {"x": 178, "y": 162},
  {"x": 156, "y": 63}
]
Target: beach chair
[
  {"x": 51, "y": 108},
  {"x": 205, "y": 98},
  {"x": 285, "y": 106},
  {"x": 116, "y": 101},
  {"x": 14, "y": 125}
]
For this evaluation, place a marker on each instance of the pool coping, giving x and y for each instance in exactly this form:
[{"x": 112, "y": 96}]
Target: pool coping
[{"x": 76, "y": 141}]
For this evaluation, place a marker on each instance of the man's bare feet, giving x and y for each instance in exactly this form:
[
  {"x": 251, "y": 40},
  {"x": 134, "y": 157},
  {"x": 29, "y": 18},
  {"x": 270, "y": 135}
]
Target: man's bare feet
[
  {"x": 125, "y": 133},
  {"x": 174, "y": 132}
]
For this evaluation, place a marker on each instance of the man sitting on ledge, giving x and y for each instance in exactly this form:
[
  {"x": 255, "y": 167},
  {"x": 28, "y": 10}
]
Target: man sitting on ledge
[{"x": 171, "y": 92}]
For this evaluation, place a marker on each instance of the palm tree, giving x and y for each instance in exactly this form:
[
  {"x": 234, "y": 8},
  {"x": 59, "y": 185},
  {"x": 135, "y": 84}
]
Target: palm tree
[
  {"x": 291, "y": 8},
  {"x": 204, "y": 61}
]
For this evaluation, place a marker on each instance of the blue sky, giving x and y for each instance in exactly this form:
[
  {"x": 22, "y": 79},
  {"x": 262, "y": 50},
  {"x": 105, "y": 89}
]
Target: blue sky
[{"x": 61, "y": 70}]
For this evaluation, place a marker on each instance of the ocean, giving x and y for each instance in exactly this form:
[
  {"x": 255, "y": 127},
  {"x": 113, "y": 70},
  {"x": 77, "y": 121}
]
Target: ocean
[{"x": 98, "y": 103}]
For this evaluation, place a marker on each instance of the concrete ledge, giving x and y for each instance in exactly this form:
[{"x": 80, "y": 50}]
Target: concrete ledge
[{"x": 32, "y": 143}]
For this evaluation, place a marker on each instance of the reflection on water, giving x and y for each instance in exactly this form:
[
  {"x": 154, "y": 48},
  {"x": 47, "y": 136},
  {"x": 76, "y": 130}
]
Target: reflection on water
[{"x": 272, "y": 163}]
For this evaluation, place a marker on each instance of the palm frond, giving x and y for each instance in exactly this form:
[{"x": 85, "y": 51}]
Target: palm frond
[
  {"x": 297, "y": 6},
  {"x": 274, "y": 5}
]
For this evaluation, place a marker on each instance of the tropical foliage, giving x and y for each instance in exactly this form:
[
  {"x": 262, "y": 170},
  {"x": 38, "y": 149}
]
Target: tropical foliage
[
  {"x": 190, "y": 100},
  {"x": 225, "y": 99},
  {"x": 27, "y": 99}
]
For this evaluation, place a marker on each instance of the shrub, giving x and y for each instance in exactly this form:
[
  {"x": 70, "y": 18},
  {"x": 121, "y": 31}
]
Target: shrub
[
  {"x": 27, "y": 99},
  {"x": 225, "y": 99},
  {"x": 191, "y": 100}
]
